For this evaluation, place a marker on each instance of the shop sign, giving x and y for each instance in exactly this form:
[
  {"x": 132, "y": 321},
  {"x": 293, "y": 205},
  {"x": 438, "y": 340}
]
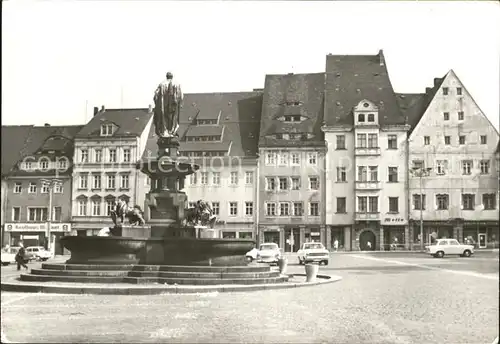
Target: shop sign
[
  {"x": 394, "y": 220},
  {"x": 315, "y": 234},
  {"x": 37, "y": 227}
]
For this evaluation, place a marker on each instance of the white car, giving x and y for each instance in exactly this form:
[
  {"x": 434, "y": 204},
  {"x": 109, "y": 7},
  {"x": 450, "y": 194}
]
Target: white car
[
  {"x": 444, "y": 247},
  {"x": 8, "y": 256},
  {"x": 267, "y": 253},
  {"x": 38, "y": 252},
  {"x": 313, "y": 252}
]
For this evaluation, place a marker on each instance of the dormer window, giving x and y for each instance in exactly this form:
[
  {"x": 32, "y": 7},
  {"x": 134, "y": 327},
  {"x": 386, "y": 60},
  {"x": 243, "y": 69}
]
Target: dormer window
[
  {"x": 292, "y": 118},
  {"x": 107, "y": 129},
  {"x": 361, "y": 117},
  {"x": 293, "y": 103},
  {"x": 371, "y": 117}
]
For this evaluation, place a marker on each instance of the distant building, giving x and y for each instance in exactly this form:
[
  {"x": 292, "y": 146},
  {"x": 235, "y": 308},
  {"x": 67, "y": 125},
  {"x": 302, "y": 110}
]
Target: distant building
[
  {"x": 291, "y": 161},
  {"x": 107, "y": 149},
  {"x": 454, "y": 143},
  {"x": 37, "y": 177},
  {"x": 219, "y": 132},
  {"x": 366, "y": 162}
]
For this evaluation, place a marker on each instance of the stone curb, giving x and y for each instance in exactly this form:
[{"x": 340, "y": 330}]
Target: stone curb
[{"x": 156, "y": 289}]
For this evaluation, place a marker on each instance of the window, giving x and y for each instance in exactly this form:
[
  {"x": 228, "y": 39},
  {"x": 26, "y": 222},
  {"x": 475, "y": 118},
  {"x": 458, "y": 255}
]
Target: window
[
  {"x": 126, "y": 155},
  {"x": 459, "y": 91},
  {"x": 28, "y": 165},
  {"x": 124, "y": 183},
  {"x": 373, "y": 173},
  {"x": 447, "y": 140},
  {"x": 445, "y": 91},
  {"x": 110, "y": 206},
  {"x": 362, "y": 204},
  {"x": 392, "y": 142},
  {"x": 270, "y": 158},
  {"x": 84, "y": 155},
  {"x": 418, "y": 164},
  {"x": 489, "y": 201},
  {"x": 419, "y": 202},
  {"x": 37, "y": 214},
  {"x": 312, "y": 158},
  {"x": 393, "y": 204},
  {"x": 233, "y": 208},
  {"x": 16, "y": 214},
  {"x": 248, "y": 177},
  {"x": 468, "y": 201},
  {"x": 193, "y": 179},
  {"x": 461, "y": 140},
  {"x": 216, "y": 178},
  {"x": 96, "y": 182},
  {"x": 45, "y": 188},
  {"x": 371, "y": 117},
  {"x": 98, "y": 155},
  {"x": 313, "y": 183},
  {"x": 58, "y": 188},
  {"x": 18, "y": 187},
  {"x": 62, "y": 164},
  {"x": 373, "y": 204},
  {"x": 341, "y": 174},
  {"x": 361, "y": 141},
  {"x": 111, "y": 182},
  {"x": 466, "y": 167},
  {"x": 340, "y": 142},
  {"x": 372, "y": 140},
  {"x": 460, "y": 115},
  {"x": 341, "y": 205},
  {"x": 295, "y": 159},
  {"x": 216, "y": 208},
  {"x": 296, "y": 183},
  {"x": 283, "y": 183},
  {"x": 485, "y": 166},
  {"x": 446, "y": 116},
  {"x": 284, "y": 209},
  {"x": 427, "y": 140},
  {"x": 271, "y": 183},
  {"x": 442, "y": 202},
  {"x": 362, "y": 173},
  {"x": 44, "y": 165},
  {"x": 484, "y": 139},
  {"x": 393, "y": 174},
  {"x": 298, "y": 209},
  {"x": 96, "y": 207},
  {"x": 234, "y": 178},
  {"x": 204, "y": 178},
  {"x": 112, "y": 155},
  {"x": 283, "y": 158},
  {"x": 57, "y": 214},
  {"x": 314, "y": 209},
  {"x": 248, "y": 208},
  {"x": 270, "y": 209},
  {"x": 106, "y": 129},
  {"x": 361, "y": 117},
  {"x": 32, "y": 188}
]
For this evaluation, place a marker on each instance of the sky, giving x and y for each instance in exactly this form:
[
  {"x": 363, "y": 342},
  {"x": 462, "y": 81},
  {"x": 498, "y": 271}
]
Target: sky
[{"x": 62, "y": 58}]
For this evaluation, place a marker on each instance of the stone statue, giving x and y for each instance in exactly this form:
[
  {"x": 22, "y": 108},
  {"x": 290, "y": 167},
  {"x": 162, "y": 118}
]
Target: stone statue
[
  {"x": 122, "y": 211},
  {"x": 200, "y": 215},
  {"x": 168, "y": 100}
]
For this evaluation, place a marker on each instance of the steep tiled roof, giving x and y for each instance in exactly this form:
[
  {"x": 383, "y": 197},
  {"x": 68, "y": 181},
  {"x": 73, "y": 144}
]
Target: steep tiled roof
[
  {"x": 352, "y": 78},
  {"x": 240, "y": 117},
  {"x": 130, "y": 122},
  {"x": 14, "y": 140},
  {"x": 292, "y": 94},
  {"x": 204, "y": 130}
]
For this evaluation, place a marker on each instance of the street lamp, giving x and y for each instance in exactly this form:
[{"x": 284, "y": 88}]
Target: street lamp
[
  {"x": 421, "y": 172},
  {"x": 50, "y": 183}
]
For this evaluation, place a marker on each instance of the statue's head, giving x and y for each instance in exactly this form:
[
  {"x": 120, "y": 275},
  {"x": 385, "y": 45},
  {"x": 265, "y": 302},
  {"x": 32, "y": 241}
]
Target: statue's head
[{"x": 170, "y": 76}]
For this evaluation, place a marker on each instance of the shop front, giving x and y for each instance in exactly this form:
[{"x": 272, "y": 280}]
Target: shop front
[
  {"x": 433, "y": 230},
  {"x": 481, "y": 234},
  {"x": 235, "y": 230},
  {"x": 36, "y": 234}
]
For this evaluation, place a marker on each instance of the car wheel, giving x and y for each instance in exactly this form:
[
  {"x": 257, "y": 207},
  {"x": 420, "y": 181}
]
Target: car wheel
[
  {"x": 440, "y": 254},
  {"x": 5, "y": 263},
  {"x": 249, "y": 259},
  {"x": 467, "y": 253},
  {"x": 325, "y": 262}
]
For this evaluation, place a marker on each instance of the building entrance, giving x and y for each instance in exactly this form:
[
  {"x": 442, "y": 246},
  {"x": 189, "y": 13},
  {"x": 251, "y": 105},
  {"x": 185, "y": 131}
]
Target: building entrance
[{"x": 367, "y": 241}]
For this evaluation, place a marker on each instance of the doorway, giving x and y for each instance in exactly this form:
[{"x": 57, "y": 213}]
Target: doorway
[
  {"x": 482, "y": 240},
  {"x": 272, "y": 236},
  {"x": 367, "y": 241},
  {"x": 292, "y": 239}
]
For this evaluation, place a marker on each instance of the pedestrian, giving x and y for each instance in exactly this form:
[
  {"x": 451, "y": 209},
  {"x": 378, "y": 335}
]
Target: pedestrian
[
  {"x": 369, "y": 245},
  {"x": 20, "y": 256},
  {"x": 336, "y": 245}
]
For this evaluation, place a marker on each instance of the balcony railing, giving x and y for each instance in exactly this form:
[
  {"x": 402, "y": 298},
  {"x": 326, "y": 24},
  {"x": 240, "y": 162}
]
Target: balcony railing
[
  {"x": 367, "y": 216},
  {"x": 366, "y": 151},
  {"x": 368, "y": 185}
]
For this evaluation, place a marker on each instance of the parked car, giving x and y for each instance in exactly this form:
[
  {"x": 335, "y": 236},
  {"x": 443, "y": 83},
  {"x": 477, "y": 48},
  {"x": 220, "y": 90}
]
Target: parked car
[
  {"x": 38, "y": 252},
  {"x": 444, "y": 247},
  {"x": 267, "y": 253},
  {"x": 252, "y": 254},
  {"x": 27, "y": 256},
  {"x": 8, "y": 256},
  {"x": 313, "y": 252}
]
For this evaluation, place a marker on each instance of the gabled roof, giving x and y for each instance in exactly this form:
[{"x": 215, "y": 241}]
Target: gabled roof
[
  {"x": 14, "y": 141},
  {"x": 204, "y": 130},
  {"x": 129, "y": 122},
  {"x": 240, "y": 117},
  {"x": 351, "y": 78},
  {"x": 280, "y": 94},
  {"x": 412, "y": 106}
]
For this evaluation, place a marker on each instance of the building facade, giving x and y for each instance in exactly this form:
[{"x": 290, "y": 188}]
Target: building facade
[
  {"x": 453, "y": 184},
  {"x": 291, "y": 161},
  {"x": 366, "y": 174},
  {"x": 38, "y": 195},
  {"x": 107, "y": 149}
]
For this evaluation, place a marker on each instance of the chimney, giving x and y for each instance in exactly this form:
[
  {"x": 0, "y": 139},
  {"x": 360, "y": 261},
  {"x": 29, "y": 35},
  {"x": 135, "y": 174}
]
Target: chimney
[
  {"x": 96, "y": 110},
  {"x": 428, "y": 90},
  {"x": 436, "y": 81},
  {"x": 150, "y": 110},
  {"x": 46, "y": 125},
  {"x": 103, "y": 108},
  {"x": 381, "y": 57}
]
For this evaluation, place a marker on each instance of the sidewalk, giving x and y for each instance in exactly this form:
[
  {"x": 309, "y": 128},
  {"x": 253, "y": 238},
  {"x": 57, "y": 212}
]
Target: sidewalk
[{"x": 476, "y": 251}]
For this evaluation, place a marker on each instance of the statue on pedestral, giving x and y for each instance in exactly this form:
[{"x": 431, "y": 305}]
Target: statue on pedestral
[
  {"x": 122, "y": 211},
  {"x": 168, "y": 100},
  {"x": 200, "y": 215}
]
